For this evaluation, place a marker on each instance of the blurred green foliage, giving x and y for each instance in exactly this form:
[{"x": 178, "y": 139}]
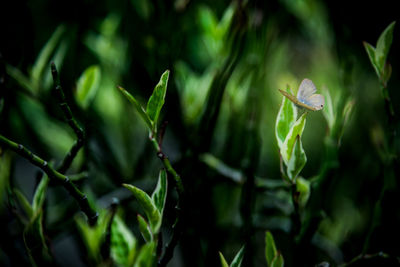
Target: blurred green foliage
[{"x": 252, "y": 164}]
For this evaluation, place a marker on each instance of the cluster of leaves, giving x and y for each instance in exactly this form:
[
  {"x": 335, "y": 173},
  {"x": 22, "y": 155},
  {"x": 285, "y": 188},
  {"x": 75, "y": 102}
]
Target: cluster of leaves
[
  {"x": 377, "y": 55},
  {"x": 124, "y": 247},
  {"x": 32, "y": 219}
]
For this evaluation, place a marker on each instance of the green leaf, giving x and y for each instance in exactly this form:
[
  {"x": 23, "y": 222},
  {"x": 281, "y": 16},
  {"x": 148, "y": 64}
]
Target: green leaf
[
  {"x": 123, "y": 243},
  {"x": 278, "y": 261},
  {"x": 286, "y": 117},
  {"x": 303, "y": 187},
  {"x": 58, "y": 60},
  {"x": 56, "y": 139},
  {"x": 87, "y": 86},
  {"x": 93, "y": 236},
  {"x": 23, "y": 202},
  {"x": 43, "y": 59},
  {"x": 138, "y": 107},
  {"x": 21, "y": 79},
  {"x": 347, "y": 112},
  {"x": 328, "y": 109},
  {"x": 144, "y": 229},
  {"x": 160, "y": 193},
  {"x": 297, "y": 160},
  {"x": 296, "y": 130},
  {"x": 207, "y": 19},
  {"x": 40, "y": 194},
  {"x": 5, "y": 174},
  {"x": 146, "y": 255},
  {"x": 223, "y": 261},
  {"x": 386, "y": 73},
  {"x": 270, "y": 248},
  {"x": 152, "y": 213},
  {"x": 237, "y": 261},
  {"x": 383, "y": 46},
  {"x": 34, "y": 240},
  {"x": 157, "y": 99},
  {"x": 223, "y": 169},
  {"x": 371, "y": 54}
]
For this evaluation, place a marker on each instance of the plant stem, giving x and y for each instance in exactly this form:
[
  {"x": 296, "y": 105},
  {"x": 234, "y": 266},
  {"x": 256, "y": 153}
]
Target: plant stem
[
  {"x": 177, "y": 227},
  {"x": 168, "y": 166},
  {"x": 53, "y": 174},
  {"x": 80, "y": 134},
  {"x": 64, "y": 105},
  {"x": 388, "y": 164},
  {"x": 296, "y": 213}
]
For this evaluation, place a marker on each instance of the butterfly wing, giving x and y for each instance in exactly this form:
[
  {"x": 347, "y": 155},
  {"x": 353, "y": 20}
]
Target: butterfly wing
[
  {"x": 315, "y": 101},
  {"x": 306, "y": 97},
  {"x": 306, "y": 90}
]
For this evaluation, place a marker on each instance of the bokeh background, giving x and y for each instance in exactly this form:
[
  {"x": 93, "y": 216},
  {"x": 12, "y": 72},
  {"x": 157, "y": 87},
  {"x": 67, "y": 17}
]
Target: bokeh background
[{"x": 227, "y": 61}]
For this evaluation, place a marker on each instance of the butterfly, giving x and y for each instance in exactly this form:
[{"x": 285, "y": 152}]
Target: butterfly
[{"x": 306, "y": 96}]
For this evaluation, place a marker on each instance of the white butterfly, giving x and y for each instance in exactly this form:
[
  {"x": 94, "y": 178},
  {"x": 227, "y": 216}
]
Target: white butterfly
[{"x": 306, "y": 96}]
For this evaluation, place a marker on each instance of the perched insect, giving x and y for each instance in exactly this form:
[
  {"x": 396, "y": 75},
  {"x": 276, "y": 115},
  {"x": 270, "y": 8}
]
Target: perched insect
[{"x": 306, "y": 96}]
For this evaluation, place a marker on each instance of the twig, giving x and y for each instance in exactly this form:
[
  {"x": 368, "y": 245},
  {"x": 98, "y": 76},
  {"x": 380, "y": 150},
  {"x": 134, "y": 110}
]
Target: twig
[
  {"x": 168, "y": 166},
  {"x": 53, "y": 174},
  {"x": 177, "y": 227},
  {"x": 162, "y": 133},
  {"x": 80, "y": 134}
]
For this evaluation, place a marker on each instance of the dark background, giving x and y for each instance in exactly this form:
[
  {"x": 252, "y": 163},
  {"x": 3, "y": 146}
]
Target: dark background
[{"x": 277, "y": 43}]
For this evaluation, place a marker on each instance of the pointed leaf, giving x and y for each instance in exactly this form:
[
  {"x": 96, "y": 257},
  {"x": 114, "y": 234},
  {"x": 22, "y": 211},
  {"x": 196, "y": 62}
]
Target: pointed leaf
[
  {"x": 144, "y": 229},
  {"x": 383, "y": 46},
  {"x": 123, "y": 243},
  {"x": 20, "y": 78},
  {"x": 237, "y": 261},
  {"x": 23, "y": 202},
  {"x": 43, "y": 59},
  {"x": 270, "y": 248},
  {"x": 160, "y": 193},
  {"x": 207, "y": 19},
  {"x": 138, "y": 107},
  {"x": 371, "y": 54},
  {"x": 286, "y": 117},
  {"x": 87, "y": 86},
  {"x": 223, "y": 261},
  {"x": 278, "y": 261},
  {"x": 297, "y": 160},
  {"x": 40, "y": 194},
  {"x": 296, "y": 130},
  {"x": 146, "y": 255},
  {"x": 152, "y": 213},
  {"x": 157, "y": 99}
]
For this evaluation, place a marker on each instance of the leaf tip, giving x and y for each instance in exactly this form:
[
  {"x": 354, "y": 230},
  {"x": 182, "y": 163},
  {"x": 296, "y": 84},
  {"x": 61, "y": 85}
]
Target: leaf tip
[{"x": 126, "y": 185}]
